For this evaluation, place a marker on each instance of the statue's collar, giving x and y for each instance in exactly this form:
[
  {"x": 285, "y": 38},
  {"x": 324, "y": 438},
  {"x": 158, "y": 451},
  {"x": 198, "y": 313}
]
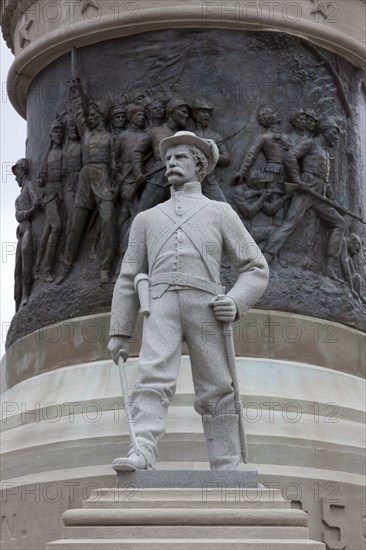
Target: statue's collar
[{"x": 190, "y": 188}]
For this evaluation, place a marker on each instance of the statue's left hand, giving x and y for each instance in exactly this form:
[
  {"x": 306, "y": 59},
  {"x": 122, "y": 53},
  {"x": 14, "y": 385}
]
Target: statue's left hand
[{"x": 225, "y": 308}]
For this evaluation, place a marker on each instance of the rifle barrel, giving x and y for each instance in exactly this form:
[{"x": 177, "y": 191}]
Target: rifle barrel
[
  {"x": 339, "y": 207},
  {"x": 73, "y": 62}
]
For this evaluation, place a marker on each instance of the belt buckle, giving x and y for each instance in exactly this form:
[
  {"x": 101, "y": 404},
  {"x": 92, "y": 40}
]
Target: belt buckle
[{"x": 178, "y": 279}]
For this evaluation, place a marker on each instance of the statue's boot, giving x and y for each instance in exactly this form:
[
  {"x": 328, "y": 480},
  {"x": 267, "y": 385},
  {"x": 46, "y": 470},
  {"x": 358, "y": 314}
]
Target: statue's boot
[
  {"x": 223, "y": 441},
  {"x": 51, "y": 250},
  {"x": 26, "y": 289},
  {"x": 63, "y": 273},
  {"x": 130, "y": 463},
  {"x": 147, "y": 410},
  {"x": 332, "y": 268}
]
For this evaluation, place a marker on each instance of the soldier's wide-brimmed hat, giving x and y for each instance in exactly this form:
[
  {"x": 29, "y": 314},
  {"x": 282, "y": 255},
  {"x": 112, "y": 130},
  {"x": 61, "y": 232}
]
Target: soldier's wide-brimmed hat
[
  {"x": 21, "y": 163},
  {"x": 202, "y": 104},
  {"x": 311, "y": 113},
  {"x": 175, "y": 102},
  {"x": 328, "y": 122},
  {"x": 207, "y": 146}
]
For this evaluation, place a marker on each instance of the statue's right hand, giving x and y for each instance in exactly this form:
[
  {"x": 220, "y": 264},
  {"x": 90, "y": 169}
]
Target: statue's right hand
[{"x": 119, "y": 344}]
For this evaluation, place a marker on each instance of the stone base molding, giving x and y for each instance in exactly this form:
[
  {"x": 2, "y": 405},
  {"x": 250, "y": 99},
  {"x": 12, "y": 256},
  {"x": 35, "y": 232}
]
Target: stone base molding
[
  {"x": 41, "y": 31},
  {"x": 262, "y": 333},
  {"x": 186, "y": 519}
]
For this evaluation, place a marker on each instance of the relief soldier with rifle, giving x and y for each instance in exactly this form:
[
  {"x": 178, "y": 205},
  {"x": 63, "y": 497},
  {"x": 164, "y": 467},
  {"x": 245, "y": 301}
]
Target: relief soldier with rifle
[{"x": 311, "y": 190}]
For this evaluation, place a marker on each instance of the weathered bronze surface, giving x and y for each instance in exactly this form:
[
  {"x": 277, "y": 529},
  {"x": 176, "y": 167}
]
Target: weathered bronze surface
[{"x": 263, "y": 99}]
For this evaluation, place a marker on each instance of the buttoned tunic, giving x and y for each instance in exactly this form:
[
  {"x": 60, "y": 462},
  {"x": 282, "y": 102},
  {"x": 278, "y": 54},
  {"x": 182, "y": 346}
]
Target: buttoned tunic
[{"x": 174, "y": 242}]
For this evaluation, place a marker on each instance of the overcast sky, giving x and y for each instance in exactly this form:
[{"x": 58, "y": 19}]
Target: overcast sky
[{"x": 13, "y": 135}]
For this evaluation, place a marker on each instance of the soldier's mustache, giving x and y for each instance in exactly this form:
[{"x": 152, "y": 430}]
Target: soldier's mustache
[{"x": 175, "y": 171}]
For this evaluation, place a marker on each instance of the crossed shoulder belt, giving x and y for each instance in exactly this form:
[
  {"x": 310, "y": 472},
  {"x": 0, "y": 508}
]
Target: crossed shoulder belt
[{"x": 185, "y": 280}]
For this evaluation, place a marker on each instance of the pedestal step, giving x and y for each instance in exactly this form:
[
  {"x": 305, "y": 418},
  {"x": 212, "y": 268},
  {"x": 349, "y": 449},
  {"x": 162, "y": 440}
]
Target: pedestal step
[
  {"x": 187, "y": 544},
  {"x": 210, "y": 517},
  {"x": 208, "y": 496}
]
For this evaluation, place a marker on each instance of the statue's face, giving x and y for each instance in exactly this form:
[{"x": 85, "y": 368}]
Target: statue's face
[
  {"x": 202, "y": 116},
  {"x": 119, "y": 120},
  {"x": 180, "y": 115},
  {"x": 72, "y": 131},
  {"x": 157, "y": 110},
  {"x": 300, "y": 121},
  {"x": 19, "y": 174},
  {"x": 310, "y": 123},
  {"x": 180, "y": 165},
  {"x": 139, "y": 119},
  {"x": 354, "y": 246},
  {"x": 57, "y": 136},
  {"x": 331, "y": 135},
  {"x": 272, "y": 118},
  {"x": 94, "y": 118}
]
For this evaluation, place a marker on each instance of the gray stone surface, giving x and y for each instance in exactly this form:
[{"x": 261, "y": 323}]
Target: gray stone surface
[
  {"x": 119, "y": 521},
  {"x": 180, "y": 245},
  {"x": 155, "y": 479}
]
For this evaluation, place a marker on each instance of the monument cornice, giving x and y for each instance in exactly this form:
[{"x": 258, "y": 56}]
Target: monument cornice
[{"x": 38, "y": 37}]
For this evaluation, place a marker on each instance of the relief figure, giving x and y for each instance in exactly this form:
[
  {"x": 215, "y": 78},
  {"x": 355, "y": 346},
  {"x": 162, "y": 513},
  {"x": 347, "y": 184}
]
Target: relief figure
[
  {"x": 71, "y": 166},
  {"x": 202, "y": 112},
  {"x": 152, "y": 176},
  {"x": 96, "y": 182},
  {"x": 273, "y": 144},
  {"x": 51, "y": 182},
  {"x": 26, "y": 206},
  {"x": 308, "y": 168}
]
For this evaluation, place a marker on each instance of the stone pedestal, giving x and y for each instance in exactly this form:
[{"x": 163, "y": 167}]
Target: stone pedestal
[{"x": 221, "y": 510}]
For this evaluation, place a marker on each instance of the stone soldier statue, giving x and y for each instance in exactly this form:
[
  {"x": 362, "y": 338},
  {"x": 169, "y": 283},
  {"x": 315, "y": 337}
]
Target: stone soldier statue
[
  {"x": 298, "y": 121},
  {"x": 71, "y": 166},
  {"x": 95, "y": 186},
  {"x": 248, "y": 201},
  {"x": 51, "y": 181},
  {"x": 118, "y": 118},
  {"x": 179, "y": 244},
  {"x": 311, "y": 122},
  {"x": 26, "y": 205},
  {"x": 273, "y": 144},
  {"x": 156, "y": 113},
  {"x": 351, "y": 249},
  {"x": 313, "y": 157},
  {"x": 151, "y": 176},
  {"x": 127, "y": 142},
  {"x": 202, "y": 112}
]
